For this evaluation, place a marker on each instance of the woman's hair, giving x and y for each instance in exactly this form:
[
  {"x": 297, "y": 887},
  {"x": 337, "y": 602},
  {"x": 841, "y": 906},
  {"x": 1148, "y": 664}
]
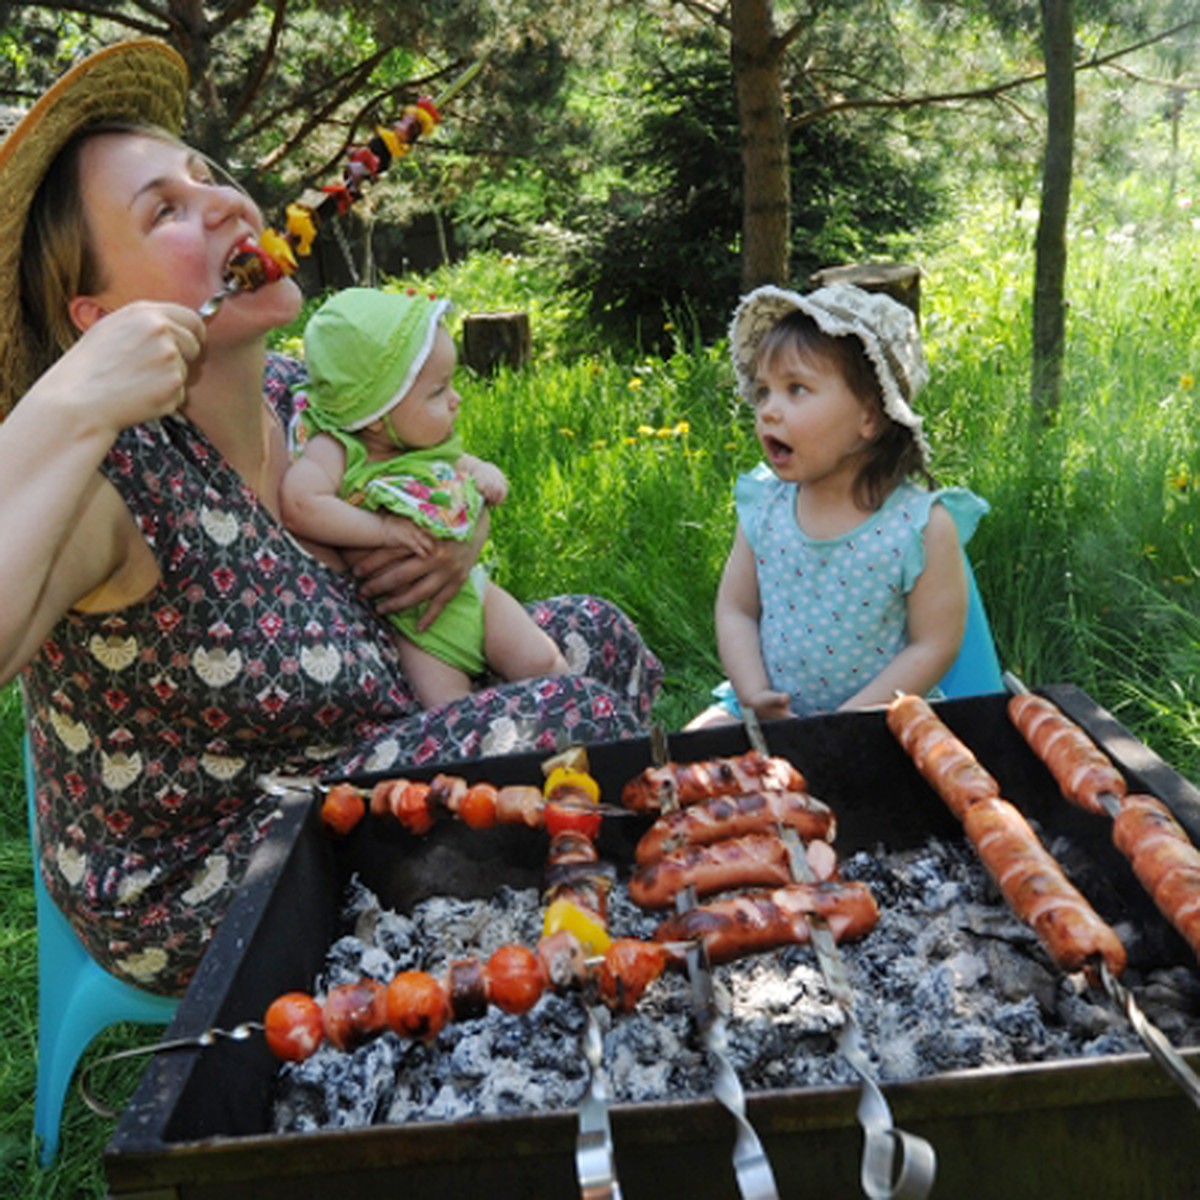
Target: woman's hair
[
  {"x": 58, "y": 261},
  {"x": 894, "y": 455}
]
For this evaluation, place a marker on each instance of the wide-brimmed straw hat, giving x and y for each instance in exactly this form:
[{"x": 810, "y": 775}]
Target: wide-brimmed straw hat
[
  {"x": 886, "y": 328},
  {"x": 140, "y": 80}
]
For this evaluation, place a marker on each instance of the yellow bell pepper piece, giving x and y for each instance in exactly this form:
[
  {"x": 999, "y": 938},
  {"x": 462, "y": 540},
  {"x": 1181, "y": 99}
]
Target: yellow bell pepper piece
[
  {"x": 277, "y": 246},
  {"x": 564, "y": 777},
  {"x": 301, "y": 227},
  {"x": 592, "y": 935}
]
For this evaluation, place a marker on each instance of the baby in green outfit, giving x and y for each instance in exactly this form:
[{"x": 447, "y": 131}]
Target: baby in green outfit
[{"x": 383, "y": 466}]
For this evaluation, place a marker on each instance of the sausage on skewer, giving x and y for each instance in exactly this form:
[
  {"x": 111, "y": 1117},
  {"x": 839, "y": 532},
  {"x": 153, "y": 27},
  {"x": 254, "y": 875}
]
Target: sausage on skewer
[
  {"x": 765, "y": 920},
  {"x": 1164, "y": 860},
  {"x": 947, "y": 764},
  {"x": 1036, "y": 889},
  {"x": 695, "y": 781},
  {"x": 723, "y": 817},
  {"x": 756, "y": 858},
  {"x": 1082, "y": 770}
]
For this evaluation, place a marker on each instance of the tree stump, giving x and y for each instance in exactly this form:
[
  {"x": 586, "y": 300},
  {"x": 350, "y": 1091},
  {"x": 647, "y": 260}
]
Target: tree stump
[
  {"x": 494, "y": 339},
  {"x": 901, "y": 281}
]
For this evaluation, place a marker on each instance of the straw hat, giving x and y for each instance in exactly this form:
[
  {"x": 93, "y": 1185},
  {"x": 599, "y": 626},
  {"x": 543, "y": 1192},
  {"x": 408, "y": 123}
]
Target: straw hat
[
  {"x": 887, "y": 330},
  {"x": 141, "y": 80}
]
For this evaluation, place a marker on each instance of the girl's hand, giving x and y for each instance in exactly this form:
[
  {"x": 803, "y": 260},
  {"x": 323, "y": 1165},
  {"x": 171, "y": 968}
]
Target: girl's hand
[
  {"x": 769, "y": 705},
  {"x": 130, "y": 366}
]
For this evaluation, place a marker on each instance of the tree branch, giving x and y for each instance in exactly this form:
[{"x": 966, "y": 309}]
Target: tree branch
[
  {"x": 708, "y": 12},
  {"x": 265, "y": 59}
]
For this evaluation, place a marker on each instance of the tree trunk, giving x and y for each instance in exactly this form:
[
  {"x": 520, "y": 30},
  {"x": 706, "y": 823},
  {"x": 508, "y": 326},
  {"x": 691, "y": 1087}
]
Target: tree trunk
[
  {"x": 1049, "y": 304},
  {"x": 766, "y": 201}
]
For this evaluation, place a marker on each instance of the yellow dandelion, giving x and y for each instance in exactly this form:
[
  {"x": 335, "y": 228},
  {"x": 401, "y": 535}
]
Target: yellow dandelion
[
  {"x": 1184, "y": 580},
  {"x": 1187, "y": 381},
  {"x": 1149, "y": 551},
  {"x": 664, "y": 433},
  {"x": 634, "y": 384},
  {"x": 567, "y": 433},
  {"x": 600, "y": 444},
  {"x": 630, "y": 441},
  {"x": 647, "y": 431},
  {"x": 682, "y": 428},
  {"x": 1180, "y": 481}
]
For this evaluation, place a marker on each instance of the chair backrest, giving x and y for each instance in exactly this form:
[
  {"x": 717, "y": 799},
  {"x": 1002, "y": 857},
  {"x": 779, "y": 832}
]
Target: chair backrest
[{"x": 976, "y": 670}]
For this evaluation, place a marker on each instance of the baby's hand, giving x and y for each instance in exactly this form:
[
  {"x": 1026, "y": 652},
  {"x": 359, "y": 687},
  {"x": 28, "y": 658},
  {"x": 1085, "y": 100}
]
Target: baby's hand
[
  {"x": 770, "y": 706},
  {"x": 490, "y": 480},
  {"x": 399, "y": 533}
]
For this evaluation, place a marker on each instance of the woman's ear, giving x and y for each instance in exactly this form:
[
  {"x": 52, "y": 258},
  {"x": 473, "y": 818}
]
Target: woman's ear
[{"x": 85, "y": 311}]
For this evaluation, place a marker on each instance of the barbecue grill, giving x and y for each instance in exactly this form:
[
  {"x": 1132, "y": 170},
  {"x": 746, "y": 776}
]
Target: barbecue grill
[{"x": 198, "y": 1125}]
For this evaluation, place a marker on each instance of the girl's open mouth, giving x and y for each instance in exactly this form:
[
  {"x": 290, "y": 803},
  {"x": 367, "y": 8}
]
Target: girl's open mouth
[{"x": 777, "y": 452}]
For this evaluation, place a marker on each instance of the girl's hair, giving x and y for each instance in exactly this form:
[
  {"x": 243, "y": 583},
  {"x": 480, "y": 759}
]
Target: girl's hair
[
  {"x": 894, "y": 455},
  {"x": 58, "y": 261}
]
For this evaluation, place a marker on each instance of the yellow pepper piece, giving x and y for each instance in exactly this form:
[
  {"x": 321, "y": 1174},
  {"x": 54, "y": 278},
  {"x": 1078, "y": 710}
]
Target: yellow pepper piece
[
  {"x": 276, "y": 245},
  {"x": 391, "y": 141},
  {"x": 564, "y": 777},
  {"x": 592, "y": 935},
  {"x": 300, "y": 225},
  {"x": 428, "y": 124}
]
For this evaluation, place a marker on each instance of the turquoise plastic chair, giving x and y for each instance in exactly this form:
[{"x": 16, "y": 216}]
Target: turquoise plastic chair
[
  {"x": 976, "y": 670},
  {"x": 77, "y": 999}
]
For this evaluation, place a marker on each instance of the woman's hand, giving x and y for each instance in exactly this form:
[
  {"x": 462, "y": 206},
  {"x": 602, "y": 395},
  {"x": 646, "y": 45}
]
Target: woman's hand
[
  {"x": 130, "y": 366},
  {"x": 396, "y": 579}
]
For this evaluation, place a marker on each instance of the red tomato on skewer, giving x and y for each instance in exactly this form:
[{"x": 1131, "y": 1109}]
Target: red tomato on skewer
[
  {"x": 516, "y": 978},
  {"x": 293, "y": 1026}
]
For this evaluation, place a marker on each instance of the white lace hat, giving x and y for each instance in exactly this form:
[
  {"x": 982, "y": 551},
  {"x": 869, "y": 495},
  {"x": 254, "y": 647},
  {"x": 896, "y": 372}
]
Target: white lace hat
[{"x": 887, "y": 330}]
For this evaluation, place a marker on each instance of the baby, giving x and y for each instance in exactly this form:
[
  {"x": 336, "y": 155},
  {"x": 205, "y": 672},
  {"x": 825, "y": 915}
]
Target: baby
[{"x": 383, "y": 466}]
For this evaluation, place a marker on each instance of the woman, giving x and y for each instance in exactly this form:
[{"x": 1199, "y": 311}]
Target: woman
[{"x": 173, "y": 641}]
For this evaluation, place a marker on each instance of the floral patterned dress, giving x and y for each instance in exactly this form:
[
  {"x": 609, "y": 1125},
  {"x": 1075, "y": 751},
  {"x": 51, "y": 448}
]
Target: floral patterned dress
[{"x": 150, "y": 725}]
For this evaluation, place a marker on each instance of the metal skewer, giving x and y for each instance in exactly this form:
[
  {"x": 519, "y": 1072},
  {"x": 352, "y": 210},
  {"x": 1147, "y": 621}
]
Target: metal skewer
[
  {"x": 881, "y": 1138},
  {"x": 756, "y": 1180}
]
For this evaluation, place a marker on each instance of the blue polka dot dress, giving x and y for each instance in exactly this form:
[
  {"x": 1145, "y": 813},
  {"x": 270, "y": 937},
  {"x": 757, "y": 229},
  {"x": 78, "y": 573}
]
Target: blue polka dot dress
[{"x": 833, "y": 610}]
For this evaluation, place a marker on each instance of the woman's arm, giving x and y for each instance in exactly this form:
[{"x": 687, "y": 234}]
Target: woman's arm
[
  {"x": 937, "y": 617},
  {"x": 738, "y": 640},
  {"x": 394, "y": 580},
  {"x": 69, "y": 540}
]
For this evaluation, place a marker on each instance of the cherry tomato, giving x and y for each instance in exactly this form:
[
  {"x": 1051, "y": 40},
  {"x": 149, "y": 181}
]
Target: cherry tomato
[
  {"x": 293, "y": 1026},
  {"x": 417, "y": 1005},
  {"x": 571, "y": 818},
  {"x": 410, "y": 806},
  {"x": 629, "y": 968},
  {"x": 342, "y": 809},
  {"x": 355, "y": 1012},
  {"x": 516, "y": 978},
  {"x": 478, "y": 807}
]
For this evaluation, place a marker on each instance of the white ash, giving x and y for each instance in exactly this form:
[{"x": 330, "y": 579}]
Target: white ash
[{"x": 949, "y": 979}]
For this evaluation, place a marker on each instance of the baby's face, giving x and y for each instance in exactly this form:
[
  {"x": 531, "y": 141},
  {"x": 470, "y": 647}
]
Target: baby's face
[{"x": 426, "y": 415}]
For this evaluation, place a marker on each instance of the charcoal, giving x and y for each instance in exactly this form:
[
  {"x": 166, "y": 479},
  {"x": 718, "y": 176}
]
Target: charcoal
[{"x": 948, "y": 980}]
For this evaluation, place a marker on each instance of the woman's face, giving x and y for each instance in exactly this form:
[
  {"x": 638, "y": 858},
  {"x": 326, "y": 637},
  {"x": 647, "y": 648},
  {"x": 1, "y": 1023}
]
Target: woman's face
[{"x": 162, "y": 228}]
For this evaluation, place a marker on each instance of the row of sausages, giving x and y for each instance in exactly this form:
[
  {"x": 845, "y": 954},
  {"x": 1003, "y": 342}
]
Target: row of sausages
[{"x": 1033, "y": 884}]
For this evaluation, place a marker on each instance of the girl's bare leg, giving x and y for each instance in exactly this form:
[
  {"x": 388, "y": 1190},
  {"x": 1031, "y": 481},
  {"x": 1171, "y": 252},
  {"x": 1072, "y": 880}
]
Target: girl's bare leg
[{"x": 716, "y": 714}]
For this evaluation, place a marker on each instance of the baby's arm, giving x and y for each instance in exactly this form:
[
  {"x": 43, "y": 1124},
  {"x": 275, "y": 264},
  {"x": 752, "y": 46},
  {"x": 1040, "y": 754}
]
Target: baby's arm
[
  {"x": 937, "y": 617},
  {"x": 738, "y": 640},
  {"x": 489, "y": 479},
  {"x": 312, "y": 508}
]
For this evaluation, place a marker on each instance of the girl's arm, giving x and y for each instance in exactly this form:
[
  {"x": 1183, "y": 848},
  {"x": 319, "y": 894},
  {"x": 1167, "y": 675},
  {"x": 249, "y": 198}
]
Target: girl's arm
[
  {"x": 489, "y": 479},
  {"x": 69, "y": 540},
  {"x": 937, "y": 617},
  {"x": 738, "y": 642},
  {"x": 313, "y": 510}
]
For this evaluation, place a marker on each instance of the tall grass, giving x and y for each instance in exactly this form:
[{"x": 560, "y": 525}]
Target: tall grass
[{"x": 621, "y": 473}]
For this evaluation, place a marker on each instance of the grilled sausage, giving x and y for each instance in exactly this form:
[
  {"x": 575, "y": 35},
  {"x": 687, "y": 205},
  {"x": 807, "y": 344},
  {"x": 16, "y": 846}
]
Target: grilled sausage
[
  {"x": 947, "y": 765},
  {"x": 1164, "y": 860},
  {"x": 687, "y": 783},
  {"x": 1081, "y": 769},
  {"x": 1036, "y": 889},
  {"x": 724, "y": 817},
  {"x": 764, "y": 920},
  {"x": 755, "y": 859}
]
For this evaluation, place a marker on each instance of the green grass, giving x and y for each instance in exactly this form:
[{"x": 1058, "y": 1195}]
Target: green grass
[{"x": 621, "y": 472}]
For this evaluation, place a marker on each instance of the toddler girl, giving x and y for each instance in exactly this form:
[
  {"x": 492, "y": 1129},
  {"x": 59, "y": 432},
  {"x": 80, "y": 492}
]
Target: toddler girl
[
  {"x": 381, "y": 445},
  {"x": 846, "y": 581}
]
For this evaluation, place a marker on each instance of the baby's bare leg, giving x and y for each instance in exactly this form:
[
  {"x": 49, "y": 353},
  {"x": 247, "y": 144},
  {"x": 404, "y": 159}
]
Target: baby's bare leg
[
  {"x": 515, "y": 646},
  {"x": 435, "y": 682}
]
